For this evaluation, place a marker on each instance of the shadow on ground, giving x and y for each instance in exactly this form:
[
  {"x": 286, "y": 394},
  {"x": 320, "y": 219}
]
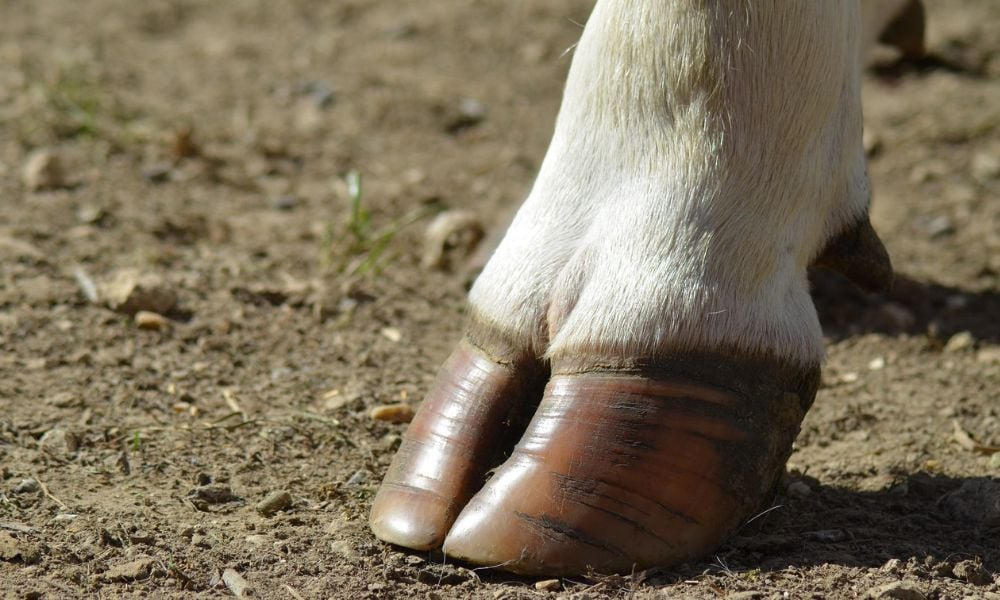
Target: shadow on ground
[{"x": 911, "y": 307}]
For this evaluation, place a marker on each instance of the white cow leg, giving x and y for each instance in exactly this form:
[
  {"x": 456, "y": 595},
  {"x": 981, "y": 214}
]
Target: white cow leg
[{"x": 705, "y": 155}]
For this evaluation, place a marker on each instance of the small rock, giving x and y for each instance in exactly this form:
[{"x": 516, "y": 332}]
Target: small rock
[
  {"x": 284, "y": 202},
  {"x": 319, "y": 92},
  {"x": 960, "y": 342},
  {"x": 257, "y": 539},
  {"x": 849, "y": 377},
  {"x": 274, "y": 502},
  {"x": 893, "y": 565},
  {"x": 26, "y": 486},
  {"x": 391, "y": 333},
  {"x": 15, "y": 249},
  {"x": 390, "y": 442},
  {"x": 828, "y": 536},
  {"x": 158, "y": 173},
  {"x": 897, "y": 316},
  {"x": 871, "y": 142},
  {"x": 548, "y": 585},
  {"x": 12, "y": 549},
  {"x": 976, "y": 502},
  {"x": 989, "y": 355},
  {"x": 799, "y": 489},
  {"x": 877, "y": 364},
  {"x": 343, "y": 548},
  {"x": 213, "y": 493},
  {"x": 972, "y": 572},
  {"x": 151, "y": 321},
  {"x": 64, "y": 400},
  {"x": 898, "y": 590},
  {"x": 360, "y": 476},
  {"x": 995, "y": 461},
  {"x": 393, "y": 413},
  {"x": 59, "y": 442},
  {"x": 44, "y": 171},
  {"x": 90, "y": 215},
  {"x": 182, "y": 144},
  {"x": 129, "y": 291},
  {"x": 450, "y": 238},
  {"x": 131, "y": 571},
  {"x": 985, "y": 166},
  {"x": 65, "y": 518},
  {"x": 939, "y": 226},
  {"x": 470, "y": 113},
  {"x": 928, "y": 170}
]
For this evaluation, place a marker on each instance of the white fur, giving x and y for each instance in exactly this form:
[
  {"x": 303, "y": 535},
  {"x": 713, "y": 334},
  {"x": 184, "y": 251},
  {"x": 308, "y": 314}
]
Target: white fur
[{"x": 704, "y": 153}]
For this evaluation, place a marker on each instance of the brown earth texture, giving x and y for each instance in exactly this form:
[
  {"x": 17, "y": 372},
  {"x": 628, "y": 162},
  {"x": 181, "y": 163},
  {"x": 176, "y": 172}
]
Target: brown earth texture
[{"x": 199, "y": 162}]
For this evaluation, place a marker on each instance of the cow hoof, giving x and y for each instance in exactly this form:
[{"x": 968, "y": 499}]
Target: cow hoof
[
  {"x": 652, "y": 465},
  {"x": 462, "y": 426}
]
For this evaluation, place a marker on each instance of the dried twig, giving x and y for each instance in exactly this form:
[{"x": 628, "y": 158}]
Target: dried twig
[{"x": 45, "y": 490}]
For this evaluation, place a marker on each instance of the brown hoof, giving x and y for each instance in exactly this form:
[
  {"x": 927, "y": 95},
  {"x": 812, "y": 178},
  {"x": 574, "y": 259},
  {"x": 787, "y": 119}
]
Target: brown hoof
[
  {"x": 632, "y": 469},
  {"x": 455, "y": 437}
]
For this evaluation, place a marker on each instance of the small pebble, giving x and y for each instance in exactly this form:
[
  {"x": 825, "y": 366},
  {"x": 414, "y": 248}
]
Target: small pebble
[
  {"x": 548, "y": 585},
  {"x": 470, "y": 113},
  {"x": 393, "y": 413},
  {"x": 871, "y": 142},
  {"x": 898, "y": 316},
  {"x": 392, "y": 334},
  {"x": 360, "y": 476},
  {"x": 90, "y": 215},
  {"x": 152, "y": 321},
  {"x": 877, "y": 364},
  {"x": 898, "y": 590},
  {"x": 59, "y": 442},
  {"x": 972, "y": 572},
  {"x": 158, "y": 173},
  {"x": 285, "y": 202},
  {"x": 26, "y": 486},
  {"x": 274, "y": 502},
  {"x": 995, "y": 461},
  {"x": 129, "y": 291},
  {"x": 989, "y": 355},
  {"x": 799, "y": 489},
  {"x": 985, "y": 166},
  {"x": 343, "y": 548},
  {"x": 975, "y": 503},
  {"x": 893, "y": 565},
  {"x": 960, "y": 342},
  {"x": 131, "y": 571},
  {"x": 939, "y": 226},
  {"x": 43, "y": 171},
  {"x": 450, "y": 238}
]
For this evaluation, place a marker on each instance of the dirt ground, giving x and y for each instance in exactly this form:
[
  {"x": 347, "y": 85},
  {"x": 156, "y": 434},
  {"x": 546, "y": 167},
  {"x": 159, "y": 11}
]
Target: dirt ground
[{"x": 193, "y": 158}]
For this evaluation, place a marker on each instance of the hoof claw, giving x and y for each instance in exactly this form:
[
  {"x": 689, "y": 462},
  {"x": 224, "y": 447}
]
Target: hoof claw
[{"x": 634, "y": 468}]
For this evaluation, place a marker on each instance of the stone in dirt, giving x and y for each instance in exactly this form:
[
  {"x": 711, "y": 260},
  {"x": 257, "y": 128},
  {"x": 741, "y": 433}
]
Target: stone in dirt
[
  {"x": 393, "y": 413},
  {"x": 129, "y": 291},
  {"x": 977, "y": 501},
  {"x": 12, "y": 549},
  {"x": 898, "y": 590},
  {"x": 213, "y": 493},
  {"x": 450, "y": 238},
  {"x": 59, "y": 442},
  {"x": 43, "y": 171},
  {"x": 548, "y": 585},
  {"x": 274, "y": 502},
  {"x": 151, "y": 321},
  {"x": 972, "y": 572},
  {"x": 131, "y": 571}
]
